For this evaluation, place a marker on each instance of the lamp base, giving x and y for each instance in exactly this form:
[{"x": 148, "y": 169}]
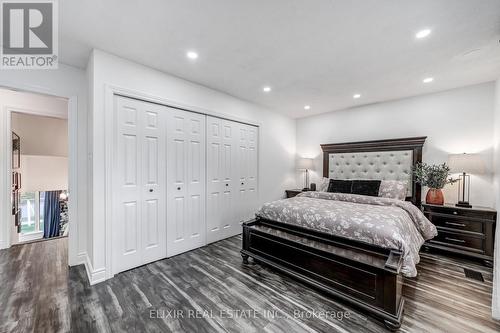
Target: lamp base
[{"x": 463, "y": 204}]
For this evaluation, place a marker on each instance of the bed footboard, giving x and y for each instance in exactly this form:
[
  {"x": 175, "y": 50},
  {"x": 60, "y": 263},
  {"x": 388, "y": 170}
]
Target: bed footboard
[{"x": 362, "y": 275}]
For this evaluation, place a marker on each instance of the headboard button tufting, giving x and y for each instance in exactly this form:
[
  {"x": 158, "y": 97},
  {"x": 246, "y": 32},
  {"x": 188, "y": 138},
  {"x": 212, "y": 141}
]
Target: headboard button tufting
[{"x": 393, "y": 165}]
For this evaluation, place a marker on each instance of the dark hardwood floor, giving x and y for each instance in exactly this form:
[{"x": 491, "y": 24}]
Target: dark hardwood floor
[{"x": 39, "y": 294}]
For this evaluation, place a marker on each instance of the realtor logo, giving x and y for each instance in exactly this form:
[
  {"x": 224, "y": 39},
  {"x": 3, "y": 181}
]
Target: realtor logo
[{"x": 29, "y": 34}]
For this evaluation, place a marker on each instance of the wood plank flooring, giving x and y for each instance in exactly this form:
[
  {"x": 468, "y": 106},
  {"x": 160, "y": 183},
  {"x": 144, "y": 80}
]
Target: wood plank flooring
[{"x": 39, "y": 294}]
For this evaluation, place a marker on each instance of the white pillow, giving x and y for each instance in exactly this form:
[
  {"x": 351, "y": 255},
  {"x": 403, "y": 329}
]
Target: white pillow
[
  {"x": 394, "y": 189},
  {"x": 323, "y": 184}
]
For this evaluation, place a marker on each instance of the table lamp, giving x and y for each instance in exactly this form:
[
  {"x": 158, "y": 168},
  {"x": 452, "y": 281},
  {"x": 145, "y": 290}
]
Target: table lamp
[
  {"x": 305, "y": 164},
  {"x": 465, "y": 164}
]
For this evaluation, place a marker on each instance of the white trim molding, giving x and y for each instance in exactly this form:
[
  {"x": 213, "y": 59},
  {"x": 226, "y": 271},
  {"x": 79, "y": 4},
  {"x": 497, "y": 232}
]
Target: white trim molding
[{"x": 94, "y": 275}]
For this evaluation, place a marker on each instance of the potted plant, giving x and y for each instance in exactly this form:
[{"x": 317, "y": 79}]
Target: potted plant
[{"x": 435, "y": 177}]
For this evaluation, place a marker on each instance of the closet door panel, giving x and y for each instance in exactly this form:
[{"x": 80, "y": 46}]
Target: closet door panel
[
  {"x": 222, "y": 177},
  {"x": 196, "y": 228},
  {"x": 176, "y": 178},
  {"x": 139, "y": 184},
  {"x": 229, "y": 200},
  {"x": 127, "y": 252},
  {"x": 252, "y": 172},
  {"x": 247, "y": 174},
  {"x": 153, "y": 183},
  {"x": 214, "y": 178},
  {"x": 242, "y": 172},
  {"x": 186, "y": 181}
]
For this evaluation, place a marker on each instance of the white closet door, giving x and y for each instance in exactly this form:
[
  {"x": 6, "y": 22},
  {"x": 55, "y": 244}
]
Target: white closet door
[
  {"x": 221, "y": 178},
  {"x": 252, "y": 172},
  {"x": 246, "y": 161},
  {"x": 139, "y": 217},
  {"x": 153, "y": 182},
  {"x": 186, "y": 181}
]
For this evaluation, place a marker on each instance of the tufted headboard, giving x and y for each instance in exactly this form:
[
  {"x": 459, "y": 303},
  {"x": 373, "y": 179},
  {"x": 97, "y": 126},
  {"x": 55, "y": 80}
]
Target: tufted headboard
[{"x": 391, "y": 159}]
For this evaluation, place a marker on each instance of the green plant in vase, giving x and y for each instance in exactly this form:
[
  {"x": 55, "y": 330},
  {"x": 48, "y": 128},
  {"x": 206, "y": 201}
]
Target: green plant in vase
[{"x": 435, "y": 177}]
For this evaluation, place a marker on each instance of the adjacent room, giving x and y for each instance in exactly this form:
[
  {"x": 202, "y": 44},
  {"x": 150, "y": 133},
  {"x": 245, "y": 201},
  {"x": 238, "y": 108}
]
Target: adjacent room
[
  {"x": 40, "y": 164},
  {"x": 38, "y": 156},
  {"x": 250, "y": 166}
]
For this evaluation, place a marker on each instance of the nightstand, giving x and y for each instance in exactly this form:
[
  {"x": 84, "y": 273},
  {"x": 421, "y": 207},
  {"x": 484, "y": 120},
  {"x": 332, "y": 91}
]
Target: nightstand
[
  {"x": 465, "y": 231},
  {"x": 292, "y": 193}
]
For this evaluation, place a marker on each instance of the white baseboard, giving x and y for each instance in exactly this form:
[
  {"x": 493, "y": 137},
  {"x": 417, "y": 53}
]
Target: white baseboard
[
  {"x": 94, "y": 276},
  {"x": 81, "y": 258}
]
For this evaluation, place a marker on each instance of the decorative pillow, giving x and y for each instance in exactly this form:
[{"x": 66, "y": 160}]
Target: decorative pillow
[
  {"x": 340, "y": 186},
  {"x": 366, "y": 187},
  {"x": 323, "y": 184},
  {"x": 394, "y": 189}
]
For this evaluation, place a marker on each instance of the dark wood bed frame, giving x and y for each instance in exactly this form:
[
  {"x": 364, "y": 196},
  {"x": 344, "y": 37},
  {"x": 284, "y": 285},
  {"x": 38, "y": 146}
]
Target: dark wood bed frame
[{"x": 363, "y": 275}]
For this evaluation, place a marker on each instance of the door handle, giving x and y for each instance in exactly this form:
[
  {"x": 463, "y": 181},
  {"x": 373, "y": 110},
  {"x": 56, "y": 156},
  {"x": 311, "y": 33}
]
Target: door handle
[
  {"x": 455, "y": 224},
  {"x": 178, "y": 188}
]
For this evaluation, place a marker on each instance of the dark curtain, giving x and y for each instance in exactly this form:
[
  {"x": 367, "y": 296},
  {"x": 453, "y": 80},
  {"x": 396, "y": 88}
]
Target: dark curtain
[{"x": 51, "y": 214}]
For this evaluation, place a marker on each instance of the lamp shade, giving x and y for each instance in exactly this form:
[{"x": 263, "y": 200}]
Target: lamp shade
[
  {"x": 305, "y": 164},
  {"x": 468, "y": 163}
]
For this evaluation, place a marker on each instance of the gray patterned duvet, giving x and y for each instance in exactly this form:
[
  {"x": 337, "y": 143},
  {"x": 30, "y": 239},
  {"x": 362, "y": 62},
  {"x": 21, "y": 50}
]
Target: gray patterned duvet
[{"x": 389, "y": 223}]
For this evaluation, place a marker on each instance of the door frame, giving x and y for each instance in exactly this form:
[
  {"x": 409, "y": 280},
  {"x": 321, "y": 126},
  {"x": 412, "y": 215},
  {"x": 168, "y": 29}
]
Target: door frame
[
  {"x": 110, "y": 90},
  {"x": 5, "y": 178}
]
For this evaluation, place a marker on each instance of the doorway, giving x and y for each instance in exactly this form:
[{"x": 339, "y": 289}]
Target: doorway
[{"x": 38, "y": 126}]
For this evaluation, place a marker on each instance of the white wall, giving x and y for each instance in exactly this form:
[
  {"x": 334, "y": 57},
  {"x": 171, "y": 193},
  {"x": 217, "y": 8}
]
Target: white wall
[
  {"x": 41, "y": 135},
  {"x": 276, "y": 145},
  {"x": 35, "y": 103},
  {"x": 44, "y": 173},
  {"x": 496, "y": 267},
  {"x": 455, "y": 121},
  {"x": 68, "y": 82}
]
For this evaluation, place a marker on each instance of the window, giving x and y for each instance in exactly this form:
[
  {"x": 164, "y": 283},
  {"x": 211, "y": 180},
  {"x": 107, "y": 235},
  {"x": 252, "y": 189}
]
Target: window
[
  {"x": 31, "y": 205},
  {"x": 41, "y": 200}
]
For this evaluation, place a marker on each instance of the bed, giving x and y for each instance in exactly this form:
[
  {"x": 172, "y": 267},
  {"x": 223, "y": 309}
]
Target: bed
[{"x": 353, "y": 247}]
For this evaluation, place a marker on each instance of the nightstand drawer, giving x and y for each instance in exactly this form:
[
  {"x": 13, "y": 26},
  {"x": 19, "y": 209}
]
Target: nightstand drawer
[
  {"x": 466, "y": 213},
  {"x": 463, "y": 241},
  {"x": 452, "y": 222}
]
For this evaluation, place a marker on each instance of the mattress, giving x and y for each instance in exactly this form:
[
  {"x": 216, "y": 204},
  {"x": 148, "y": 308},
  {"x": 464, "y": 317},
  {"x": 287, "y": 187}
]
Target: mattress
[{"x": 385, "y": 222}]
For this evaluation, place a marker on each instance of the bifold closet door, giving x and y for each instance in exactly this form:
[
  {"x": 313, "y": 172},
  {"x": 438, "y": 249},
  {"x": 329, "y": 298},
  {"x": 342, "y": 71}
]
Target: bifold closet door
[
  {"x": 186, "y": 181},
  {"x": 139, "y": 225},
  {"x": 231, "y": 177},
  {"x": 221, "y": 178},
  {"x": 246, "y": 168}
]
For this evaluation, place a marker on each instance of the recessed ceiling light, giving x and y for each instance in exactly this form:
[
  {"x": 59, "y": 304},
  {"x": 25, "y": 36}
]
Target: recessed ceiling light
[
  {"x": 307, "y": 107},
  {"x": 423, "y": 33},
  {"x": 428, "y": 80},
  {"x": 266, "y": 89},
  {"x": 356, "y": 96},
  {"x": 192, "y": 55}
]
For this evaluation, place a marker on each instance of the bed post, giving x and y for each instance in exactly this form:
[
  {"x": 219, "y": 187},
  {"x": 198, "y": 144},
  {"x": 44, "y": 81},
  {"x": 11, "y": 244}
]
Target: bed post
[{"x": 246, "y": 240}]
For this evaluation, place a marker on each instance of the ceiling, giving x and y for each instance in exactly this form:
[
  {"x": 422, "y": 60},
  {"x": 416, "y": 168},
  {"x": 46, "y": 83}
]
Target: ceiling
[{"x": 310, "y": 52}]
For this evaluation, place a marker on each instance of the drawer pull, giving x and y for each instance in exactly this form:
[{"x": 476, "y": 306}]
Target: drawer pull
[
  {"x": 455, "y": 224},
  {"x": 454, "y": 240}
]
